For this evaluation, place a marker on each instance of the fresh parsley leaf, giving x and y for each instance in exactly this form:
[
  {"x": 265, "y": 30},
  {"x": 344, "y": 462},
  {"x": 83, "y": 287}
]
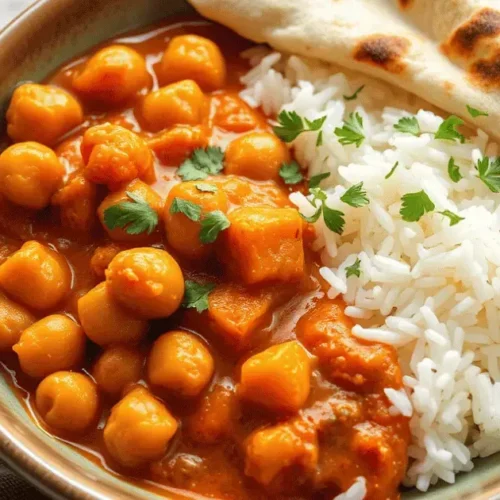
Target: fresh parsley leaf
[
  {"x": 392, "y": 170},
  {"x": 334, "y": 219},
  {"x": 476, "y": 112},
  {"x": 453, "y": 170},
  {"x": 204, "y": 187},
  {"x": 319, "y": 139},
  {"x": 454, "y": 218},
  {"x": 415, "y": 205},
  {"x": 353, "y": 270},
  {"x": 447, "y": 131},
  {"x": 489, "y": 172},
  {"x": 318, "y": 194},
  {"x": 134, "y": 217},
  {"x": 196, "y": 295},
  {"x": 291, "y": 173},
  {"x": 315, "y": 180},
  {"x": 188, "y": 208},
  {"x": 408, "y": 125},
  {"x": 355, "y": 196},
  {"x": 315, "y": 125},
  {"x": 201, "y": 164},
  {"x": 291, "y": 125},
  {"x": 352, "y": 131},
  {"x": 355, "y": 95},
  {"x": 212, "y": 224}
]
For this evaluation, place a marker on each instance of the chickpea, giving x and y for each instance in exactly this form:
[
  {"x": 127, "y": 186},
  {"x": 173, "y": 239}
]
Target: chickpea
[
  {"x": 179, "y": 361},
  {"x": 105, "y": 321},
  {"x": 182, "y": 233},
  {"x": 180, "y": 102},
  {"x": 54, "y": 343},
  {"x": 114, "y": 156},
  {"x": 42, "y": 113},
  {"x": 114, "y": 74},
  {"x": 102, "y": 257},
  {"x": 257, "y": 155},
  {"x": 117, "y": 368},
  {"x": 14, "y": 319},
  {"x": 139, "y": 429},
  {"x": 194, "y": 57},
  {"x": 68, "y": 401},
  {"x": 148, "y": 281},
  {"x": 30, "y": 174},
  {"x": 136, "y": 187},
  {"x": 36, "y": 275}
]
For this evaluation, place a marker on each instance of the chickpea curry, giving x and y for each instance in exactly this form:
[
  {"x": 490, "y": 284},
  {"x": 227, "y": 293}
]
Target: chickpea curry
[{"x": 162, "y": 305}]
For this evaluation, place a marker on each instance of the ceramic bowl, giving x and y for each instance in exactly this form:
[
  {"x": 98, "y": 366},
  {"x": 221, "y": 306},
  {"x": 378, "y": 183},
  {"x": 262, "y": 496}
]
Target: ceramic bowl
[{"x": 33, "y": 46}]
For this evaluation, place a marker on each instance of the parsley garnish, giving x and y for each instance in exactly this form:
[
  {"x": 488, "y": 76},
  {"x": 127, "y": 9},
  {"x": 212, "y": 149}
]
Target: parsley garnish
[
  {"x": 448, "y": 129},
  {"x": 315, "y": 180},
  {"x": 203, "y": 187},
  {"x": 453, "y": 170},
  {"x": 188, "y": 208},
  {"x": 212, "y": 224},
  {"x": 291, "y": 125},
  {"x": 392, "y": 170},
  {"x": 355, "y": 196},
  {"x": 489, "y": 172},
  {"x": 291, "y": 173},
  {"x": 334, "y": 219},
  {"x": 353, "y": 270},
  {"x": 475, "y": 112},
  {"x": 134, "y": 217},
  {"x": 319, "y": 139},
  {"x": 196, "y": 295},
  {"x": 454, "y": 218},
  {"x": 355, "y": 95},
  {"x": 408, "y": 125},
  {"x": 352, "y": 130},
  {"x": 201, "y": 164},
  {"x": 415, "y": 205}
]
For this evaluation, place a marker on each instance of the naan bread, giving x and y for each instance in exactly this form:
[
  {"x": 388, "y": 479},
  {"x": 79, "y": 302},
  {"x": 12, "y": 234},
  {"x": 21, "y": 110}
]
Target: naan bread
[{"x": 445, "y": 51}]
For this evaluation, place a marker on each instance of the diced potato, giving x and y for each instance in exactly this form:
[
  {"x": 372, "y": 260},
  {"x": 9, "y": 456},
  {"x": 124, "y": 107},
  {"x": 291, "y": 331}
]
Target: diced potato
[
  {"x": 14, "y": 319},
  {"x": 180, "y": 362},
  {"x": 264, "y": 244},
  {"x": 277, "y": 378},
  {"x": 195, "y": 58},
  {"x": 102, "y": 257},
  {"x": 233, "y": 114},
  {"x": 177, "y": 103}
]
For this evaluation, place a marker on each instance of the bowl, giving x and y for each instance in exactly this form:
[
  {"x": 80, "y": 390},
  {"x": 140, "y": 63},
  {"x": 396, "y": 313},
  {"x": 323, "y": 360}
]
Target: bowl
[{"x": 33, "y": 46}]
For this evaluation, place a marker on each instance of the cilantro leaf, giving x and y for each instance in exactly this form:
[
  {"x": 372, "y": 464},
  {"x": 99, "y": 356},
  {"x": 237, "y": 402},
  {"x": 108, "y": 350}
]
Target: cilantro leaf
[
  {"x": 196, "y": 295},
  {"x": 315, "y": 180},
  {"x": 212, "y": 224},
  {"x": 447, "y": 131},
  {"x": 318, "y": 194},
  {"x": 319, "y": 139},
  {"x": 204, "y": 187},
  {"x": 201, "y": 164},
  {"x": 454, "y": 218},
  {"x": 415, "y": 205},
  {"x": 334, "y": 219},
  {"x": 476, "y": 112},
  {"x": 392, "y": 170},
  {"x": 291, "y": 173},
  {"x": 453, "y": 170},
  {"x": 489, "y": 172},
  {"x": 353, "y": 270},
  {"x": 352, "y": 131},
  {"x": 408, "y": 125},
  {"x": 355, "y": 196},
  {"x": 134, "y": 217},
  {"x": 291, "y": 125},
  {"x": 355, "y": 95},
  {"x": 315, "y": 125},
  {"x": 188, "y": 208}
]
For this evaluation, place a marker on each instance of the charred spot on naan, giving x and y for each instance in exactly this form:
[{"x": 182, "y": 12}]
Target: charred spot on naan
[
  {"x": 486, "y": 73},
  {"x": 383, "y": 51}
]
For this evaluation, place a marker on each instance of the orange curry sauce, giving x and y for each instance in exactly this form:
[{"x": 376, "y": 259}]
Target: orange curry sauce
[{"x": 229, "y": 446}]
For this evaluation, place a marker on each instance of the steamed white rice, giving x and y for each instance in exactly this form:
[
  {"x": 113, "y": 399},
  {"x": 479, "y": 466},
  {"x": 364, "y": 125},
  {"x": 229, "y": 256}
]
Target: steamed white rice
[{"x": 428, "y": 288}]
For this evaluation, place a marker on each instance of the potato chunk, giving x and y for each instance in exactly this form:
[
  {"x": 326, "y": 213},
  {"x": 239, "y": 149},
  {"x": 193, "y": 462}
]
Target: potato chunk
[
  {"x": 180, "y": 362},
  {"x": 177, "y": 103},
  {"x": 233, "y": 114},
  {"x": 54, "y": 343},
  {"x": 36, "y": 275},
  {"x": 277, "y": 378},
  {"x": 42, "y": 113},
  {"x": 195, "y": 58},
  {"x": 264, "y": 244},
  {"x": 139, "y": 429},
  {"x": 68, "y": 401},
  {"x": 14, "y": 319},
  {"x": 30, "y": 174}
]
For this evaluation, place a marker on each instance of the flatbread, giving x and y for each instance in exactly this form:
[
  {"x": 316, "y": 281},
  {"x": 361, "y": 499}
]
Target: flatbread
[{"x": 445, "y": 51}]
